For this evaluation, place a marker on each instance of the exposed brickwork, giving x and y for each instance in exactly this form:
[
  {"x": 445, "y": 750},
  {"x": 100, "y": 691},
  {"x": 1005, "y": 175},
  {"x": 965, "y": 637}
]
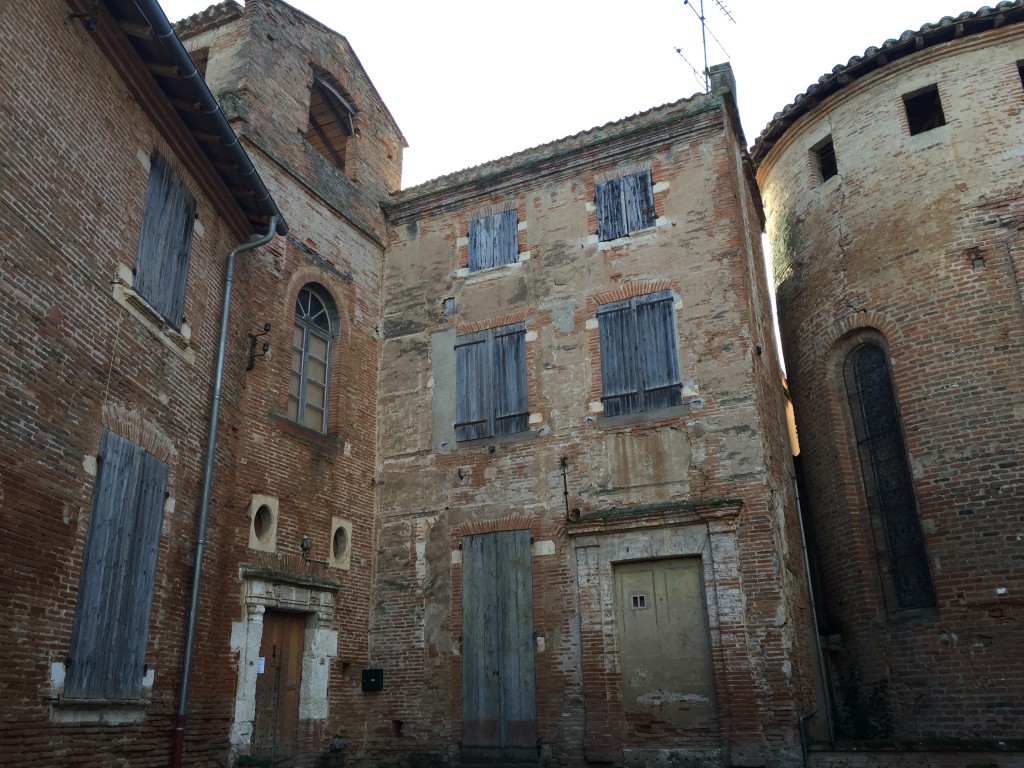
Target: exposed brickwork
[
  {"x": 259, "y": 67},
  {"x": 431, "y": 493},
  {"x": 71, "y": 195},
  {"x": 917, "y": 243},
  {"x": 710, "y": 480}
]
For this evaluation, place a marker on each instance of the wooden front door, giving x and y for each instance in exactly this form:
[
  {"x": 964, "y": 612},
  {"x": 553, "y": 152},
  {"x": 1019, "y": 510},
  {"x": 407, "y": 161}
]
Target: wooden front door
[
  {"x": 498, "y": 701},
  {"x": 275, "y": 730}
]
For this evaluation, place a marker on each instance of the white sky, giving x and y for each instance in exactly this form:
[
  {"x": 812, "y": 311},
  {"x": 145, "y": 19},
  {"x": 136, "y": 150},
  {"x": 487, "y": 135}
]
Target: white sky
[{"x": 470, "y": 81}]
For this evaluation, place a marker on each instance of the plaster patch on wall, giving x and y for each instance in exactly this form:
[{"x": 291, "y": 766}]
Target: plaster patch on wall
[{"x": 543, "y": 548}]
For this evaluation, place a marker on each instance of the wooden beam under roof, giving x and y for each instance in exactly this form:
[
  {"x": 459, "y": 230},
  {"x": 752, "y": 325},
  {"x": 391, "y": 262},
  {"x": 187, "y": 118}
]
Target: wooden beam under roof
[
  {"x": 164, "y": 70},
  {"x": 141, "y": 31},
  {"x": 339, "y": 162},
  {"x": 342, "y": 121}
]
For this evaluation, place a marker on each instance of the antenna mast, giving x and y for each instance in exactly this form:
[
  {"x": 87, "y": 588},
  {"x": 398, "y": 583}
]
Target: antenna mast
[{"x": 704, "y": 32}]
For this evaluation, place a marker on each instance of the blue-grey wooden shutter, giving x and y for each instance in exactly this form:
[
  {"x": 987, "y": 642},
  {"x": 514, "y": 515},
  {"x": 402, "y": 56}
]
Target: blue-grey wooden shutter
[
  {"x": 638, "y": 200},
  {"x": 498, "y": 679},
  {"x": 516, "y": 648},
  {"x": 481, "y": 649},
  {"x": 108, "y": 641},
  {"x": 506, "y": 238},
  {"x": 88, "y": 670},
  {"x": 479, "y": 244},
  {"x": 511, "y": 412},
  {"x": 659, "y": 357},
  {"x": 493, "y": 241},
  {"x": 140, "y": 575},
  {"x": 610, "y": 220},
  {"x": 619, "y": 376},
  {"x": 161, "y": 261},
  {"x": 473, "y": 377}
]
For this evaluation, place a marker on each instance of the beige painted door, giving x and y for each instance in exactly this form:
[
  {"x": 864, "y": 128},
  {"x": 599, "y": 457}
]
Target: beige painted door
[
  {"x": 664, "y": 646},
  {"x": 275, "y": 730}
]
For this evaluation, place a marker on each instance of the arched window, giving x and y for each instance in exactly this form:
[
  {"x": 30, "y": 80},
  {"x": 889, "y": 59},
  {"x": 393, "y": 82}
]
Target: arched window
[
  {"x": 311, "y": 347},
  {"x": 886, "y": 473}
]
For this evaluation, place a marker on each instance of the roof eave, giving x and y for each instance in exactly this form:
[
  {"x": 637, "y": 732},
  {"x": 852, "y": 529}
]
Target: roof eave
[
  {"x": 138, "y": 40},
  {"x": 909, "y": 43}
]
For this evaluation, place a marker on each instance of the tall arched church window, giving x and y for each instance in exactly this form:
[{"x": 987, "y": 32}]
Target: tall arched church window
[
  {"x": 311, "y": 346},
  {"x": 887, "y": 481}
]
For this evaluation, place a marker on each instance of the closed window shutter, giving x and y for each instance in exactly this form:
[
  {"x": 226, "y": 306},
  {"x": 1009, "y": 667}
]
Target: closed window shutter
[
  {"x": 638, "y": 200},
  {"x": 611, "y": 223},
  {"x": 506, "y": 238},
  {"x": 94, "y": 630},
  {"x": 510, "y": 404},
  {"x": 165, "y": 241},
  {"x": 479, "y": 243},
  {"x": 619, "y": 380},
  {"x": 140, "y": 576},
  {"x": 108, "y": 641},
  {"x": 472, "y": 386},
  {"x": 659, "y": 362},
  {"x": 493, "y": 241}
]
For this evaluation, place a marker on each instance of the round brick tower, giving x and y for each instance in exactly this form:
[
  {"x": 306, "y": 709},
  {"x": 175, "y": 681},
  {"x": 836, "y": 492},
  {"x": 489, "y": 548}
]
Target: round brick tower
[{"x": 893, "y": 193}]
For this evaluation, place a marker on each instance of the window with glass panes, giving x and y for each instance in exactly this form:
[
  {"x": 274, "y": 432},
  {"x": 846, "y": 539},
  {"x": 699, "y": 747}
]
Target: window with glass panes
[{"x": 311, "y": 345}]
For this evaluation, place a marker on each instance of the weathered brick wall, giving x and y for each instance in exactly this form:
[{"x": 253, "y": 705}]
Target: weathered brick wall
[
  {"x": 335, "y": 241},
  {"x": 432, "y": 491},
  {"x": 918, "y": 237},
  {"x": 786, "y": 579},
  {"x": 72, "y": 186},
  {"x": 266, "y": 94}
]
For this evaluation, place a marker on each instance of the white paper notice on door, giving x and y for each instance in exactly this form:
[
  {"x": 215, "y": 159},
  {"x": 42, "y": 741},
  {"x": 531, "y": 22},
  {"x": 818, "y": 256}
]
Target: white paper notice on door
[{"x": 261, "y": 665}]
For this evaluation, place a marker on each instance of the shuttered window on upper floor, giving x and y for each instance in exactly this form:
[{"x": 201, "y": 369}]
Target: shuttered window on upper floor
[
  {"x": 493, "y": 241},
  {"x": 624, "y": 205},
  {"x": 161, "y": 263},
  {"x": 490, "y": 386},
  {"x": 639, "y": 357},
  {"x": 115, "y": 590}
]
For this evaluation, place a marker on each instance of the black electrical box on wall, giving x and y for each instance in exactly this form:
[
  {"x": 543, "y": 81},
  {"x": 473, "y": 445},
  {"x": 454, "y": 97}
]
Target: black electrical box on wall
[{"x": 373, "y": 679}]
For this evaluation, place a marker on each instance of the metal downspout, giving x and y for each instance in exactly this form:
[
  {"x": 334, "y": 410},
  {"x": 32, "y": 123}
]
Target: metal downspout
[{"x": 204, "y": 505}]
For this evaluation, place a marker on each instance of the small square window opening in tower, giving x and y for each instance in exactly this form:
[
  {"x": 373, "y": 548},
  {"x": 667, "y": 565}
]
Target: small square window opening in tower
[
  {"x": 924, "y": 110},
  {"x": 825, "y": 155}
]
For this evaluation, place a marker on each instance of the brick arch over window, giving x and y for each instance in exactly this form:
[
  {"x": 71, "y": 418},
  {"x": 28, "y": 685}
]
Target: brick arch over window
[
  {"x": 867, "y": 388},
  {"x": 314, "y": 332}
]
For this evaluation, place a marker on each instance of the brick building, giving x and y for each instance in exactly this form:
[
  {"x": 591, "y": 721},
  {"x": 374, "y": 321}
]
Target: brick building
[
  {"x": 296, "y": 552},
  {"x": 123, "y": 190},
  {"x": 893, "y": 193},
  {"x": 570, "y": 357},
  {"x": 586, "y": 530}
]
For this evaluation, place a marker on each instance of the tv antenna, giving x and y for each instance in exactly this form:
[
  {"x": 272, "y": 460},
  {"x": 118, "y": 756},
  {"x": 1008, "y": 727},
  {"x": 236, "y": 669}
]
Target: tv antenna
[{"x": 704, "y": 32}]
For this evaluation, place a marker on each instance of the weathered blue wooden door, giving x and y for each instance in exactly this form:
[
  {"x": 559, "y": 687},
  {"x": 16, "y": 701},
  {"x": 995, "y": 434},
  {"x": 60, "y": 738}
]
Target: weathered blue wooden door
[{"x": 498, "y": 701}]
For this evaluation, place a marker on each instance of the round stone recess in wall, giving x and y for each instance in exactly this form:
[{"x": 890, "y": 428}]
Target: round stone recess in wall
[
  {"x": 262, "y": 522},
  {"x": 263, "y": 515},
  {"x": 340, "y": 555}
]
